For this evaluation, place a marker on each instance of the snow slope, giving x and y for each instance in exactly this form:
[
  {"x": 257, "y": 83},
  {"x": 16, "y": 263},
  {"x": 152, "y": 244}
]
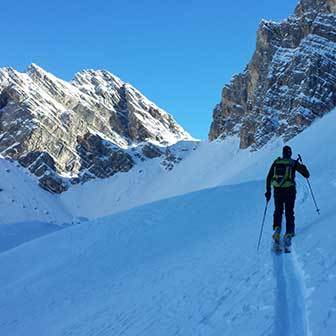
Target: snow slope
[
  {"x": 27, "y": 211},
  {"x": 187, "y": 265},
  {"x": 208, "y": 165},
  {"x": 150, "y": 271}
]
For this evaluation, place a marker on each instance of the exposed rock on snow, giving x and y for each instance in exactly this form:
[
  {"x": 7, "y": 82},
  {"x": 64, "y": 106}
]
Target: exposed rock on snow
[
  {"x": 290, "y": 81},
  {"x": 78, "y": 130},
  {"x": 150, "y": 151},
  {"x": 100, "y": 158}
]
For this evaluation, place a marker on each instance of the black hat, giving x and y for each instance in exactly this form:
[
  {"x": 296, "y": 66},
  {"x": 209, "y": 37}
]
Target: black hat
[{"x": 286, "y": 152}]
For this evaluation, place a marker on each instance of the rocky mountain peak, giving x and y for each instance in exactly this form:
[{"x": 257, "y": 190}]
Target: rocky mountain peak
[
  {"x": 319, "y": 6},
  {"x": 32, "y": 68},
  {"x": 290, "y": 80},
  {"x": 93, "y": 126}
]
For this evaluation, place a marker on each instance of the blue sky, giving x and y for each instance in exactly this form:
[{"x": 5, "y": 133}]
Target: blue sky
[{"x": 178, "y": 53}]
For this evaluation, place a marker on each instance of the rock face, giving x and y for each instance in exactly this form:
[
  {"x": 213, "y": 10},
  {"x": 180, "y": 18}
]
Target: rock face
[
  {"x": 290, "y": 81},
  {"x": 71, "y": 132}
]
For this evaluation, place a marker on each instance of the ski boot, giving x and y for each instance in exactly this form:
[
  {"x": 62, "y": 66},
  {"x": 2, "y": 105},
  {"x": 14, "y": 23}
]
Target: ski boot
[
  {"x": 276, "y": 240},
  {"x": 288, "y": 242}
]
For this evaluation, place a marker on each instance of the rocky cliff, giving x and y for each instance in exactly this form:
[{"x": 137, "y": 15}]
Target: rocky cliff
[
  {"x": 290, "y": 81},
  {"x": 95, "y": 126}
]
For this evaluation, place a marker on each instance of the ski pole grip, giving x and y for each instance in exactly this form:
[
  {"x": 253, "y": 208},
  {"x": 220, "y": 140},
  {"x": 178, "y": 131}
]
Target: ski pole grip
[{"x": 300, "y": 158}]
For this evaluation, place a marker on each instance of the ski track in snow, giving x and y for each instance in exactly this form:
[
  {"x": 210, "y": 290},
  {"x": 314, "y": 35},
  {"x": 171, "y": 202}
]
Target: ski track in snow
[{"x": 291, "y": 317}]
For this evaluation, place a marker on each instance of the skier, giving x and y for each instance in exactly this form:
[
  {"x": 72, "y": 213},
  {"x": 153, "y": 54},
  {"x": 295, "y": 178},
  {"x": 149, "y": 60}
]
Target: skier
[{"x": 282, "y": 177}]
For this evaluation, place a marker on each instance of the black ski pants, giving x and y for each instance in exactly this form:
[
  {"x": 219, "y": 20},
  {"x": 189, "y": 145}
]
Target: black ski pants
[{"x": 284, "y": 198}]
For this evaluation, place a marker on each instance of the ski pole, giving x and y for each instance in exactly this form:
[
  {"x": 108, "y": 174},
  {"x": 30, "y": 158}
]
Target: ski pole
[
  {"x": 313, "y": 197},
  {"x": 262, "y": 225},
  {"x": 311, "y": 189}
]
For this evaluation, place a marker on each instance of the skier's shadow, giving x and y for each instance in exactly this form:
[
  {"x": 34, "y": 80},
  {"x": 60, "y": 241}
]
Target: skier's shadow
[{"x": 281, "y": 323}]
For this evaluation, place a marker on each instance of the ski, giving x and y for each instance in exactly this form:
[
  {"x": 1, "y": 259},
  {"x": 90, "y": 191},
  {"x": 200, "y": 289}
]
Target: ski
[
  {"x": 277, "y": 248},
  {"x": 287, "y": 243},
  {"x": 276, "y": 241},
  {"x": 281, "y": 245}
]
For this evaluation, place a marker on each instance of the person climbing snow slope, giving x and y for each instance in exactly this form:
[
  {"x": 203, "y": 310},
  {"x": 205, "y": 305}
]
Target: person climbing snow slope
[{"x": 282, "y": 177}]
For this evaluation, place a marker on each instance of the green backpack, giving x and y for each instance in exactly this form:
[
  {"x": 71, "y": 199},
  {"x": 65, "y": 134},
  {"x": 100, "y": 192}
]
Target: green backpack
[{"x": 283, "y": 173}]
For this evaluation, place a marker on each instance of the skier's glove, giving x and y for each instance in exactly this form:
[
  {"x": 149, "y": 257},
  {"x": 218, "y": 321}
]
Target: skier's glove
[{"x": 268, "y": 195}]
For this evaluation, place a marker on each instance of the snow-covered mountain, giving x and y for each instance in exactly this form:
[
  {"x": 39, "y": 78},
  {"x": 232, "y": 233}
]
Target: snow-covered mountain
[
  {"x": 187, "y": 265},
  {"x": 290, "y": 81},
  {"x": 94, "y": 126}
]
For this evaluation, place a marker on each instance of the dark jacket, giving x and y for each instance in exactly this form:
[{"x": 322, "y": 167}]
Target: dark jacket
[{"x": 296, "y": 167}]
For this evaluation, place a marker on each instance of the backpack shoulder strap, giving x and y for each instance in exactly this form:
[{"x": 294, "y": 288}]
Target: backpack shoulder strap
[{"x": 293, "y": 162}]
